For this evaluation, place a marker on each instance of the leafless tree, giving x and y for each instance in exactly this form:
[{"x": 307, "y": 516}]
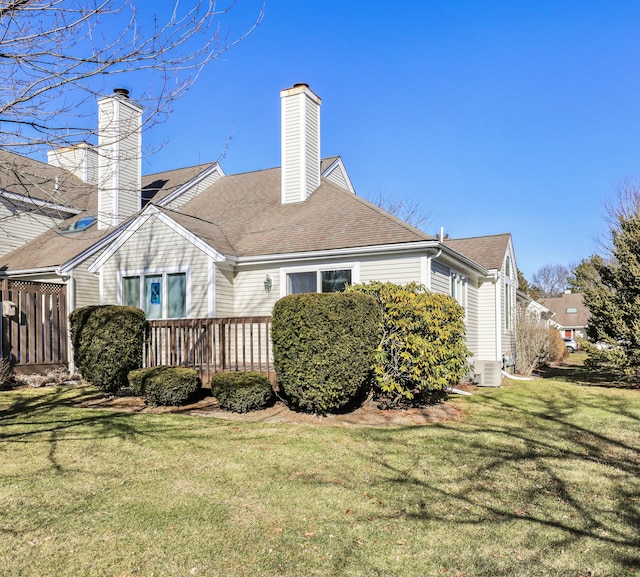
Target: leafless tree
[
  {"x": 405, "y": 208},
  {"x": 551, "y": 280},
  {"x": 532, "y": 341},
  {"x": 57, "y": 54}
]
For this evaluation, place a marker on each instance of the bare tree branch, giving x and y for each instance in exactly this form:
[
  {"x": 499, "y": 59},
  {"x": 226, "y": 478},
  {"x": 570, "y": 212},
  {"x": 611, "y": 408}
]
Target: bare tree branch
[
  {"x": 405, "y": 208},
  {"x": 55, "y": 55}
]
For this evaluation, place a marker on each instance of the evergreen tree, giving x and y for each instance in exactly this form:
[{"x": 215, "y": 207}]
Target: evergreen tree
[{"x": 611, "y": 290}]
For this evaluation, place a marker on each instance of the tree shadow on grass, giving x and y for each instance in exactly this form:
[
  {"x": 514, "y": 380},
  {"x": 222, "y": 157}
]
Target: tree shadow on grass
[
  {"x": 541, "y": 471},
  {"x": 51, "y": 415},
  {"x": 572, "y": 370}
]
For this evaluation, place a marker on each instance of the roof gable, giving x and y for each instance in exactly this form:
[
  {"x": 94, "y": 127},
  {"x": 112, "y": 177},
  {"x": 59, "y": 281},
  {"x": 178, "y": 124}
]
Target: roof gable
[
  {"x": 164, "y": 187},
  {"x": 488, "y": 251}
]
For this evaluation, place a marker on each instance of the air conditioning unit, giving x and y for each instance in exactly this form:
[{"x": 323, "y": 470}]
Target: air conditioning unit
[{"x": 487, "y": 373}]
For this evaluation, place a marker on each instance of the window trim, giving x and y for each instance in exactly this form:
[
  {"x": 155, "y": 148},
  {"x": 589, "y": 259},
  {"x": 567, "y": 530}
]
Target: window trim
[
  {"x": 284, "y": 271},
  {"x": 458, "y": 284},
  {"x": 164, "y": 272},
  {"x": 509, "y": 296}
]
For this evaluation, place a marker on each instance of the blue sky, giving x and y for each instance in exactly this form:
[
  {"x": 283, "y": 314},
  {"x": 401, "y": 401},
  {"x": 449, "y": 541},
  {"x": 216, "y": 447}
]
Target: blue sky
[{"x": 495, "y": 116}]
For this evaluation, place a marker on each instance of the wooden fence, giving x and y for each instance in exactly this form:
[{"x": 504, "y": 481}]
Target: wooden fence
[
  {"x": 211, "y": 345},
  {"x": 33, "y": 325}
]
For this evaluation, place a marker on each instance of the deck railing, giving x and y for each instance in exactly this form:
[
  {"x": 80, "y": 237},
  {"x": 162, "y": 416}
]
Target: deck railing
[{"x": 211, "y": 345}]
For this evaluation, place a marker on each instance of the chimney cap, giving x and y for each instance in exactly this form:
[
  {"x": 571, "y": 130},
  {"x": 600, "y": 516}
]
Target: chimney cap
[
  {"x": 299, "y": 84},
  {"x": 122, "y": 91}
]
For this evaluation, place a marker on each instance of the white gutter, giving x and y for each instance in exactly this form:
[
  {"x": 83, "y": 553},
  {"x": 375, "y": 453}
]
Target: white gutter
[
  {"x": 40, "y": 203},
  {"x": 71, "y": 301}
]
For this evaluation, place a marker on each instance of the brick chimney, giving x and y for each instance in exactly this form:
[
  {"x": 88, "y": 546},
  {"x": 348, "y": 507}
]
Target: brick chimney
[
  {"x": 119, "y": 158},
  {"x": 300, "y": 143}
]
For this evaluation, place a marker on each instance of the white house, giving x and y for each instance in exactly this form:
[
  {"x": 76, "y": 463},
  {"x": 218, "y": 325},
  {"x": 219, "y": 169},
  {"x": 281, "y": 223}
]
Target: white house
[{"x": 195, "y": 242}]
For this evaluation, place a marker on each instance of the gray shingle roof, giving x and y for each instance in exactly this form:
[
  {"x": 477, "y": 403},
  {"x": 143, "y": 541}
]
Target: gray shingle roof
[
  {"x": 247, "y": 207},
  {"x": 40, "y": 181},
  {"x": 242, "y": 215},
  {"x": 52, "y": 248},
  {"x": 488, "y": 251}
]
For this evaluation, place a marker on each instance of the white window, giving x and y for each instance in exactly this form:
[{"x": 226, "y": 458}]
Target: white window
[
  {"x": 508, "y": 306},
  {"x": 509, "y": 289},
  {"x": 459, "y": 288},
  {"x": 319, "y": 280},
  {"x": 158, "y": 294}
]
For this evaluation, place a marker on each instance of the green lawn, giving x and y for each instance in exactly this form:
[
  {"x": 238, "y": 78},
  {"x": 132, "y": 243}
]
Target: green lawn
[{"x": 537, "y": 478}]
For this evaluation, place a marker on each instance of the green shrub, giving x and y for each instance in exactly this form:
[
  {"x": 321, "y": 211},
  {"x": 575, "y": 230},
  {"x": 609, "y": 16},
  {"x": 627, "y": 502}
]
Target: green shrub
[
  {"x": 323, "y": 348},
  {"x": 422, "y": 346},
  {"x": 169, "y": 386},
  {"x": 107, "y": 342},
  {"x": 241, "y": 391}
]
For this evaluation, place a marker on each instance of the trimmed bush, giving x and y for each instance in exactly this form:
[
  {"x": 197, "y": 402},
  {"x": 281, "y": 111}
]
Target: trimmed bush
[
  {"x": 167, "y": 386},
  {"x": 422, "y": 346},
  {"x": 107, "y": 342},
  {"x": 241, "y": 392},
  {"x": 323, "y": 348}
]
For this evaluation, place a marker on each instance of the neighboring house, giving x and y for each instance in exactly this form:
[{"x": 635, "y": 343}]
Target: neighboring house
[
  {"x": 570, "y": 314},
  {"x": 194, "y": 242},
  {"x": 534, "y": 310}
]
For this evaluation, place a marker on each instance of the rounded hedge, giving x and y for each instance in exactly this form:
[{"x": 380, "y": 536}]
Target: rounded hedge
[
  {"x": 323, "y": 348},
  {"x": 107, "y": 342},
  {"x": 241, "y": 392},
  {"x": 166, "y": 386}
]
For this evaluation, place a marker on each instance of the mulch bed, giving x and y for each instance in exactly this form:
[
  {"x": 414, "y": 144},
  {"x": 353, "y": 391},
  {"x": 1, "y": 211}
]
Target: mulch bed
[{"x": 366, "y": 415}]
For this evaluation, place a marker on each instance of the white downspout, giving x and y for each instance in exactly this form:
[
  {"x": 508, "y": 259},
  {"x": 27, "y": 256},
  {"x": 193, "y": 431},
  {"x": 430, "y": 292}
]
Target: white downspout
[
  {"x": 71, "y": 301},
  {"x": 426, "y": 276},
  {"x": 498, "y": 352}
]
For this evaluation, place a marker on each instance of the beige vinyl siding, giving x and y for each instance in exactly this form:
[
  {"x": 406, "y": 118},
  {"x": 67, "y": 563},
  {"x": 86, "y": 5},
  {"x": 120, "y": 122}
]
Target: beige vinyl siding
[
  {"x": 19, "y": 224},
  {"x": 194, "y": 191},
  {"x": 119, "y": 162},
  {"x": 472, "y": 318},
  {"x": 487, "y": 322},
  {"x": 250, "y": 296},
  {"x": 312, "y": 149},
  {"x": 87, "y": 286},
  {"x": 156, "y": 247},
  {"x": 81, "y": 160},
  {"x": 338, "y": 177},
  {"x": 399, "y": 270},
  {"x": 224, "y": 305},
  {"x": 292, "y": 154},
  {"x": 440, "y": 278}
]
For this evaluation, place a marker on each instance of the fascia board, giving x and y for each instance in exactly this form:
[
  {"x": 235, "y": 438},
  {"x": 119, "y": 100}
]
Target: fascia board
[
  {"x": 29, "y": 271},
  {"x": 341, "y": 252},
  {"x": 68, "y": 266},
  {"x": 191, "y": 183},
  {"x": 123, "y": 235},
  {"x": 189, "y": 236},
  {"x": 37, "y": 202}
]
